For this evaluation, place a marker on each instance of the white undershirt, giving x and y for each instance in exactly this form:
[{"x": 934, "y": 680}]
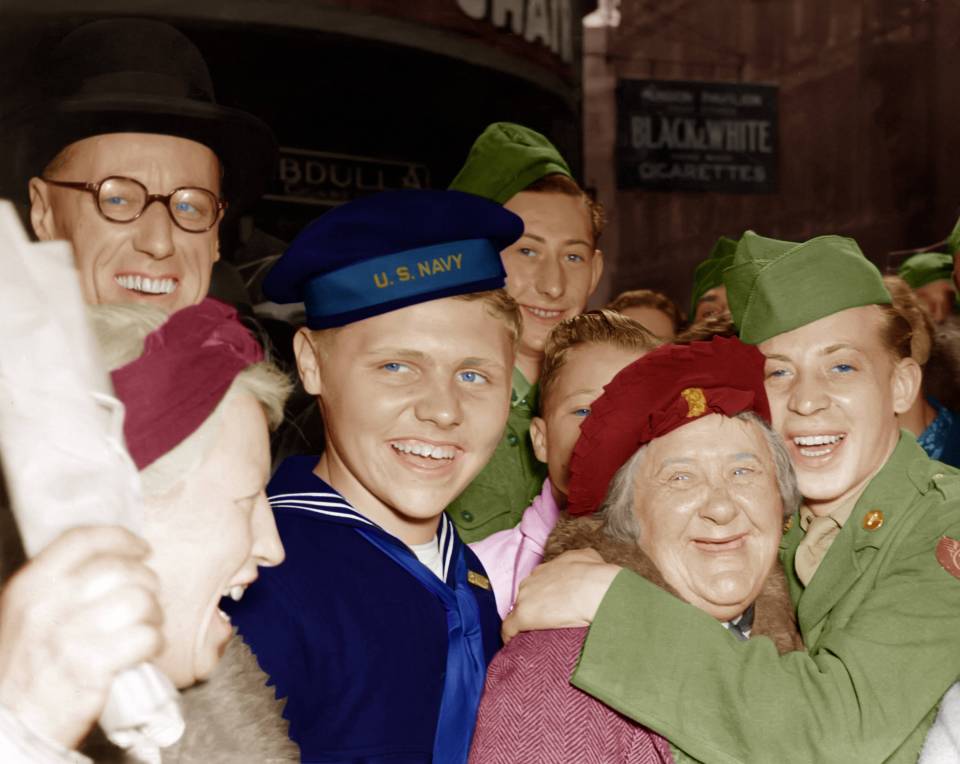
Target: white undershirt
[{"x": 429, "y": 555}]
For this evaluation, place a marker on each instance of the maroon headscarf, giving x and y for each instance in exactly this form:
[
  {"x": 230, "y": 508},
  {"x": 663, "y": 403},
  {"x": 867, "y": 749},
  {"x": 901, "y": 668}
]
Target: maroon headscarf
[
  {"x": 665, "y": 389},
  {"x": 186, "y": 368}
]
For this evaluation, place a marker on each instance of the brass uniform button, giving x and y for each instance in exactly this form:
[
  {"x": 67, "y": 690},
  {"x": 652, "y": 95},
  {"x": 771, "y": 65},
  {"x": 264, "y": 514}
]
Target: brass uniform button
[
  {"x": 872, "y": 520},
  {"x": 788, "y": 524}
]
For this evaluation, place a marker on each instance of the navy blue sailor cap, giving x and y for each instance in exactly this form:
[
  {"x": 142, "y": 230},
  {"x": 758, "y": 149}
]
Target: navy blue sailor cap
[{"x": 391, "y": 250}]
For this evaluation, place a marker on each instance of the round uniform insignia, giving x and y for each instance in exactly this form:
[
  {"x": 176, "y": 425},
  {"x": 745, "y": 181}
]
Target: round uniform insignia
[{"x": 948, "y": 555}]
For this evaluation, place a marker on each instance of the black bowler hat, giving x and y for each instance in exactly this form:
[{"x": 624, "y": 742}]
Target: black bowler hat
[{"x": 141, "y": 76}]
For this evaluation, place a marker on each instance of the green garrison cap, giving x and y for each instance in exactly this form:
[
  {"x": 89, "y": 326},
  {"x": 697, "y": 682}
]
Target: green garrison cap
[
  {"x": 953, "y": 240},
  {"x": 925, "y": 268},
  {"x": 709, "y": 273},
  {"x": 777, "y": 286},
  {"x": 505, "y": 159}
]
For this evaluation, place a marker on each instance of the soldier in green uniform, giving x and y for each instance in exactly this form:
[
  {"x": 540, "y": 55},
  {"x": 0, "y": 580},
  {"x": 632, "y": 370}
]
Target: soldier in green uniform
[
  {"x": 551, "y": 272},
  {"x": 872, "y": 558},
  {"x": 930, "y": 276}
]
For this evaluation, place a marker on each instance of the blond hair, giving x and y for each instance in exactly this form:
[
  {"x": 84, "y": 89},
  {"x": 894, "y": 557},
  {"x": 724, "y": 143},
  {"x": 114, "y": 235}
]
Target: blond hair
[
  {"x": 594, "y": 327},
  {"x": 908, "y": 330},
  {"x": 121, "y": 331},
  {"x": 499, "y": 304}
]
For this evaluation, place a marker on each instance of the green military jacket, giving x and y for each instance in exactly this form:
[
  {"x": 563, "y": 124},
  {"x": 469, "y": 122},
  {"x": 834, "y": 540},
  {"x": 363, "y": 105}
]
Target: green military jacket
[
  {"x": 512, "y": 479},
  {"x": 880, "y": 618}
]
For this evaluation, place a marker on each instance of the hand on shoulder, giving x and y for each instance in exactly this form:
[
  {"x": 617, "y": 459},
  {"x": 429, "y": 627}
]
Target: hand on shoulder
[{"x": 563, "y": 593}]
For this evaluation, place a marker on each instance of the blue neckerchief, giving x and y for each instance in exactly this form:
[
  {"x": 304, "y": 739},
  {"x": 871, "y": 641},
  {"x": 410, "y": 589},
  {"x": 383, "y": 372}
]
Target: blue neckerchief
[{"x": 466, "y": 666}]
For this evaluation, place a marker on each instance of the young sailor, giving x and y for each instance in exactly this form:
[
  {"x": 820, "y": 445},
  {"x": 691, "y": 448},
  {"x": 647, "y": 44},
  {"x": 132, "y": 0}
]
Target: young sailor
[
  {"x": 379, "y": 626},
  {"x": 872, "y": 558}
]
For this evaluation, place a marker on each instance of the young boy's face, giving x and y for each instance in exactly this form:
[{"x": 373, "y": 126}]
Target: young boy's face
[
  {"x": 553, "y": 268},
  {"x": 414, "y": 402},
  {"x": 578, "y": 383}
]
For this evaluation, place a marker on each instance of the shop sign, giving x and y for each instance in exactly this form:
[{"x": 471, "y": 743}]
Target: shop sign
[
  {"x": 697, "y": 136},
  {"x": 546, "y": 22},
  {"x": 328, "y": 179}
]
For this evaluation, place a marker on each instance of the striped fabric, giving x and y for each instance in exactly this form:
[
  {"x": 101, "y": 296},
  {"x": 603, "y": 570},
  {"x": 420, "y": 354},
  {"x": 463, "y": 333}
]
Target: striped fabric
[
  {"x": 333, "y": 506},
  {"x": 530, "y": 713}
]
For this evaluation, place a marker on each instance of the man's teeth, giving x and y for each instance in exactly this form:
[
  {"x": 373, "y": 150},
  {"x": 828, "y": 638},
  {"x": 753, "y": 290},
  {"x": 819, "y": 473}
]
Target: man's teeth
[
  {"x": 817, "y": 440},
  {"x": 426, "y": 449},
  {"x": 541, "y": 313},
  {"x": 236, "y": 592},
  {"x": 146, "y": 285},
  {"x": 223, "y": 615},
  {"x": 805, "y": 441}
]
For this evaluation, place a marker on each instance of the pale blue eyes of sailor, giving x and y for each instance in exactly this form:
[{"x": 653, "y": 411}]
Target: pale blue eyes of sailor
[{"x": 470, "y": 377}]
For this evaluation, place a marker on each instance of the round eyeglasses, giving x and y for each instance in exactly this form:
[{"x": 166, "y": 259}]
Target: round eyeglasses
[{"x": 123, "y": 200}]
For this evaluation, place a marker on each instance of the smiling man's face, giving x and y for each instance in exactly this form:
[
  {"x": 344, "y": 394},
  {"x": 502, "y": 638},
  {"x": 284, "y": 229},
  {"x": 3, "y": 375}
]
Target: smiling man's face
[
  {"x": 148, "y": 260},
  {"x": 414, "y": 402},
  {"x": 834, "y": 391},
  {"x": 552, "y": 269}
]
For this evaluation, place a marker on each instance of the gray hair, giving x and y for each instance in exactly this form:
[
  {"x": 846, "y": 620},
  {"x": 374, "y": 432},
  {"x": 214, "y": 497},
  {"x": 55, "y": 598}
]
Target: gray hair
[{"x": 617, "y": 510}]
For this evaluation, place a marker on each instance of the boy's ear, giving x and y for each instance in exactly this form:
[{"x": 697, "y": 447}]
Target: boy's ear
[
  {"x": 907, "y": 381},
  {"x": 538, "y": 436},
  {"x": 308, "y": 361},
  {"x": 596, "y": 270}
]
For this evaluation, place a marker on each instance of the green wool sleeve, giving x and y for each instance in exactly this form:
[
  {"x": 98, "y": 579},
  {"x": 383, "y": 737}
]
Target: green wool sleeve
[{"x": 867, "y": 692}]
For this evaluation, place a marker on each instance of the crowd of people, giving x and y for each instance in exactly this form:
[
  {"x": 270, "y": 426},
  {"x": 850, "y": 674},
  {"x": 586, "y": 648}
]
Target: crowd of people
[{"x": 533, "y": 532}]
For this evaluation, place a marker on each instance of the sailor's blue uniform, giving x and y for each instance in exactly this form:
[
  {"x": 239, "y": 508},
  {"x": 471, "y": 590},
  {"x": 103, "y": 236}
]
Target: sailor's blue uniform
[{"x": 355, "y": 642}]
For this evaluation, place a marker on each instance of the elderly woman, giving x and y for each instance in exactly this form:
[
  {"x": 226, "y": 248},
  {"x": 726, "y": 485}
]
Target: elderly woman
[
  {"x": 872, "y": 558},
  {"x": 698, "y": 488},
  {"x": 199, "y": 401}
]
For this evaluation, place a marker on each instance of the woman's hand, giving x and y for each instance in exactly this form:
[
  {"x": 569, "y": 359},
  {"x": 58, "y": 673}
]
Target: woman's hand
[
  {"x": 83, "y": 610},
  {"x": 563, "y": 593}
]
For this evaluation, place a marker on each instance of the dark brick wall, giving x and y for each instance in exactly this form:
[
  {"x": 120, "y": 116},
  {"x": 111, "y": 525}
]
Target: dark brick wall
[{"x": 869, "y": 125}]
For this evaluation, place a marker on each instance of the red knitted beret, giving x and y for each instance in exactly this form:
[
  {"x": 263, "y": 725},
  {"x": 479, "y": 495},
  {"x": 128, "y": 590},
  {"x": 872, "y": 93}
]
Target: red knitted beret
[
  {"x": 666, "y": 389},
  {"x": 186, "y": 368}
]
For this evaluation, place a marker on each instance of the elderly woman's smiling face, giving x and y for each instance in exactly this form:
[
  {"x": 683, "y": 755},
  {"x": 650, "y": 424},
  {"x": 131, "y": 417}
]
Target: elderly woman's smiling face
[{"x": 710, "y": 512}]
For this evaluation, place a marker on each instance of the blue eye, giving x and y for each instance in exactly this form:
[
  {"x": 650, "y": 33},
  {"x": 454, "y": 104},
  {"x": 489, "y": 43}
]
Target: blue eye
[
  {"x": 473, "y": 377},
  {"x": 116, "y": 201},
  {"x": 777, "y": 372},
  {"x": 185, "y": 207},
  {"x": 583, "y": 412},
  {"x": 843, "y": 368},
  {"x": 395, "y": 367}
]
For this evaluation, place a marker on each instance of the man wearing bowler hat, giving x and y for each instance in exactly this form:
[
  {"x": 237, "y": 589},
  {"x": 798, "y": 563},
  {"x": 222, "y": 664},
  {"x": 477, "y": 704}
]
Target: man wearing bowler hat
[{"x": 130, "y": 119}]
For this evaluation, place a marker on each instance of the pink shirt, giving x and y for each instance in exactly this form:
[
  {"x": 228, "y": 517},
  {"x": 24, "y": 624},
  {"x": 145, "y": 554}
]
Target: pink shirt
[{"x": 509, "y": 556}]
